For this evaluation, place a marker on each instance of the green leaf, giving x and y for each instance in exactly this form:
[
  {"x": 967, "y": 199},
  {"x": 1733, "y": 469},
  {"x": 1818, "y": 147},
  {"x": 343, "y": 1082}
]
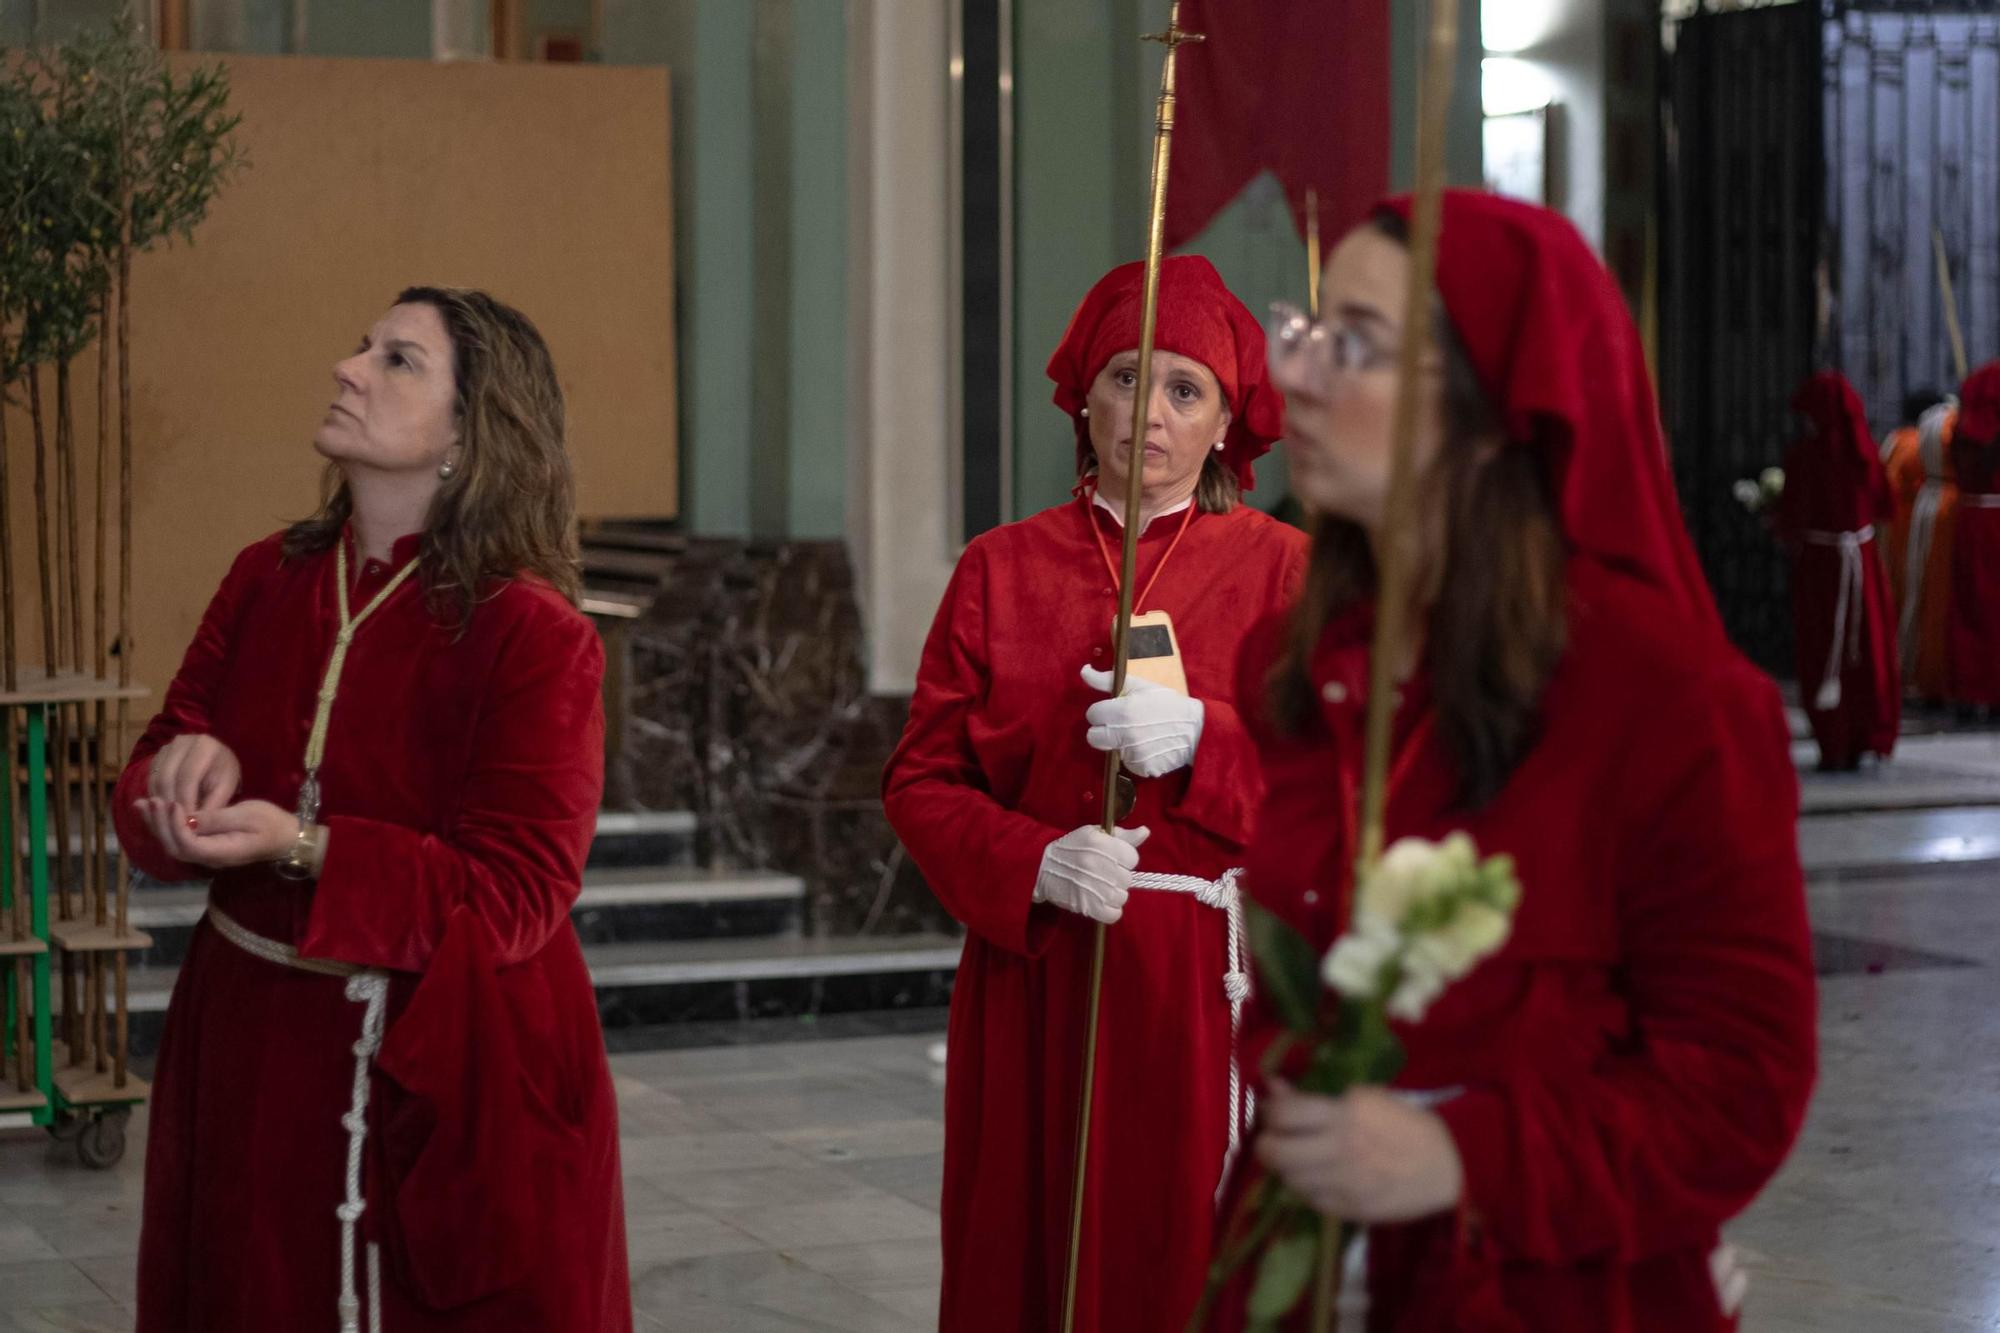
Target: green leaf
[
  {"x": 1287, "y": 968},
  {"x": 1284, "y": 1272}
]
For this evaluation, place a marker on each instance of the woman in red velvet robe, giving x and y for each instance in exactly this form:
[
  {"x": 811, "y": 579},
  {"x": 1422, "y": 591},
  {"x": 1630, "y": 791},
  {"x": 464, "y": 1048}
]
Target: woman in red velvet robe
[
  {"x": 1836, "y": 492},
  {"x": 1974, "y": 633},
  {"x": 1580, "y": 1114},
  {"x": 996, "y": 789},
  {"x": 459, "y": 789}
]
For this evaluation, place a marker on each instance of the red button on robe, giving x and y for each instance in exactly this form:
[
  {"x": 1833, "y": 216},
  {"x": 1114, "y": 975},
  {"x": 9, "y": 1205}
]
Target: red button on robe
[
  {"x": 992, "y": 768},
  {"x": 1634, "y": 1064},
  {"x": 1835, "y": 484},
  {"x": 460, "y": 789}
]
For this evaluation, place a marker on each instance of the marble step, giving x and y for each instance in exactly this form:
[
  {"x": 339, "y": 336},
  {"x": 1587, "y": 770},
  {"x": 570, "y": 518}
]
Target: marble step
[
  {"x": 624, "y": 838},
  {"x": 618, "y": 905},
  {"x": 658, "y": 984}
]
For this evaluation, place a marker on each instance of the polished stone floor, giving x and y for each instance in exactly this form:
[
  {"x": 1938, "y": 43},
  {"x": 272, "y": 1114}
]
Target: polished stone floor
[{"x": 791, "y": 1185}]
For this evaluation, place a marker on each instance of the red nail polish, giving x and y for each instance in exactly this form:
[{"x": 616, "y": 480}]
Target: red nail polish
[{"x": 193, "y": 822}]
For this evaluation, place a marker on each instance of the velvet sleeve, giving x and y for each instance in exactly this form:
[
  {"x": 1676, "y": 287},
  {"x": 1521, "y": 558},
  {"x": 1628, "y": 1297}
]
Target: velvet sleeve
[
  {"x": 1225, "y": 782},
  {"x": 514, "y": 850},
  {"x": 1678, "y": 1128},
  {"x": 979, "y": 858},
  {"x": 186, "y": 710}
]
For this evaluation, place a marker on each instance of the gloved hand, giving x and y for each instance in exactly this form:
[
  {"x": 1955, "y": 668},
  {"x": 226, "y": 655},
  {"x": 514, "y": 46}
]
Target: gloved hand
[
  {"x": 1154, "y": 729},
  {"x": 1089, "y": 871}
]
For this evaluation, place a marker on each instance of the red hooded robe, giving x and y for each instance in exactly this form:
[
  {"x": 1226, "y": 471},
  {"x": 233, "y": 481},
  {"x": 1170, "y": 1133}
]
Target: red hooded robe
[
  {"x": 993, "y": 767},
  {"x": 461, "y": 784},
  {"x": 1974, "y": 635},
  {"x": 1633, "y": 1065},
  {"x": 1836, "y": 491}
]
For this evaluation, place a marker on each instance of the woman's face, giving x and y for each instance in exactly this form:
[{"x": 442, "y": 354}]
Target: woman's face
[
  {"x": 395, "y": 405},
  {"x": 1186, "y": 419},
  {"x": 1340, "y": 384}
]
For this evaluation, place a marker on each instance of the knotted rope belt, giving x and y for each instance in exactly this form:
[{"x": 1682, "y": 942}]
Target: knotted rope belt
[
  {"x": 1848, "y": 609},
  {"x": 370, "y": 989},
  {"x": 1223, "y": 895}
]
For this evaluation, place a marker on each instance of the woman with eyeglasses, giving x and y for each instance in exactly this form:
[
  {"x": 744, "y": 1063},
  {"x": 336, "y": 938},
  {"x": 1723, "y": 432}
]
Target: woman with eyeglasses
[
  {"x": 1581, "y": 1113},
  {"x": 996, "y": 790}
]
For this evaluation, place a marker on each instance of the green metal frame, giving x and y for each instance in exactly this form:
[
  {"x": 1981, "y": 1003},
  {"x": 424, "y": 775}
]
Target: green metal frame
[{"x": 38, "y": 910}]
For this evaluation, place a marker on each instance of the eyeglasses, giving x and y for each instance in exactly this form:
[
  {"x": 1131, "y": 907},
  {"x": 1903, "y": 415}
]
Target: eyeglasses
[{"x": 1305, "y": 354}]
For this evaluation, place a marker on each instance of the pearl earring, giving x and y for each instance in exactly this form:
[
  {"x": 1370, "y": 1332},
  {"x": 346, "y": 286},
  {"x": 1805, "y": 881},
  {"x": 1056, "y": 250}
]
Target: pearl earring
[
  {"x": 1219, "y": 444},
  {"x": 446, "y": 469},
  {"x": 1084, "y": 412}
]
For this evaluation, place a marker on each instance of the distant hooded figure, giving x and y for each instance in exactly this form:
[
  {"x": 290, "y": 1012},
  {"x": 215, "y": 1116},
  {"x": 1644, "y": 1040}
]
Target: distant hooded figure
[
  {"x": 1835, "y": 493},
  {"x": 1974, "y": 638}
]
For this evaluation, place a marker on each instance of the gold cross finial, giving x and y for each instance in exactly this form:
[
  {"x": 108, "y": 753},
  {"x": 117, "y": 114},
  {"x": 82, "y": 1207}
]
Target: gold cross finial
[{"x": 1175, "y": 34}]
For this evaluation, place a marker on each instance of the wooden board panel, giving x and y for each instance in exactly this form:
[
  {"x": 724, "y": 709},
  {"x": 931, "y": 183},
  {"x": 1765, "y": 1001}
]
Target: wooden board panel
[{"x": 547, "y": 185}]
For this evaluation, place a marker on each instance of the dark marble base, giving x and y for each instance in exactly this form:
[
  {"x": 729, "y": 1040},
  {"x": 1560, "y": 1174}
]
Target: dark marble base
[
  {"x": 774, "y": 998},
  {"x": 765, "y": 1031},
  {"x": 750, "y": 708}
]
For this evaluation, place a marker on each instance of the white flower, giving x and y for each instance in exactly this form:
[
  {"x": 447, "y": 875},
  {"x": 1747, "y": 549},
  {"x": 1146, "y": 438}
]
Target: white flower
[
  {"x": 1415, "y": 871},
  {"x": 1747, "y": 493},
  {"x": 1474, "y": 931},
  {"x": 1421, "y": 983},
  {"x": 1355, "y": 963}
]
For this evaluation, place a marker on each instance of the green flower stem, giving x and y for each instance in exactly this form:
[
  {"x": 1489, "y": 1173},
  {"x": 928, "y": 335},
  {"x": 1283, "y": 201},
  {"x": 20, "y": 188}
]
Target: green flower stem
[
  {"x": 1271, "y": 1204},
  {"x": 1326, "y": 1286}
]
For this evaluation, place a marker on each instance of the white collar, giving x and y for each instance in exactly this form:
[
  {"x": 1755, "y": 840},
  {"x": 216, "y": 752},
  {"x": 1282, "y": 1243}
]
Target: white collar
[{"x": 1097, "y": 498}]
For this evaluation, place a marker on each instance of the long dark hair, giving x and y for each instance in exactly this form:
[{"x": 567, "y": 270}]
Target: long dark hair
[
  {"x": 1497, "y": 623},
  {"x": 509, "y": 508}
]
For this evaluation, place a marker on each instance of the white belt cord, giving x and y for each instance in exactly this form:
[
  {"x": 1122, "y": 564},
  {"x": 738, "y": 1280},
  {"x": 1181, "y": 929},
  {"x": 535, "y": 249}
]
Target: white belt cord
[
  {"x": 1223, "y": 895},
  {"x": 371, "y": 990},
  {"x": 1981, "y": 500},
  {"x": 1848, "y": 609}
]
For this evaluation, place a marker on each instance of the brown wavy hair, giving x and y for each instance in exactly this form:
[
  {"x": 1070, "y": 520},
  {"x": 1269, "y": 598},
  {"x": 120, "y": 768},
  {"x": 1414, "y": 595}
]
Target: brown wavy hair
[
  {"x": 1497, "y": 621},
  {"x": 509, "y": 508}
]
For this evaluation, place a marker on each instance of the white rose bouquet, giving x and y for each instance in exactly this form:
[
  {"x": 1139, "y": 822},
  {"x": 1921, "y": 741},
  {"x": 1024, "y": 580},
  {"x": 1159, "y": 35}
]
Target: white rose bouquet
[{"x": 1424, "y": 916}]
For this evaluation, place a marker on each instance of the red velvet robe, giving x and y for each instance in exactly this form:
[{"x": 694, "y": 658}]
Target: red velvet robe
[
  {"x": 992, "y": 768},
  {"x": 1974, "y": 641},
  {"x": 1828, "y": 491},
  {"x": 460, "y": 786},
  {"x": 1635, "y": 1062}
]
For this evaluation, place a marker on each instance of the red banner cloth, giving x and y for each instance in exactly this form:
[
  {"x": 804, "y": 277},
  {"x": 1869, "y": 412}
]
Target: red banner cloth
[{"x": 1296, "y": 87}]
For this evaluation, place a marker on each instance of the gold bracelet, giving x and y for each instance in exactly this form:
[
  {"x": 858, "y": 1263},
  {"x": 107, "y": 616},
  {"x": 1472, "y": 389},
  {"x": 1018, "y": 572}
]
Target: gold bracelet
[{"x": 300, "y": 862}]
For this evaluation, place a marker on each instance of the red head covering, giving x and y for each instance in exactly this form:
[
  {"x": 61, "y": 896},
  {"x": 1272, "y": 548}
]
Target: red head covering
[
  {"x": 1198, "y": 317},
  {"x": 1979, "y": 406},
  {"x": 1550, "y": 339},
  {"x": 1839, "y": 422}
]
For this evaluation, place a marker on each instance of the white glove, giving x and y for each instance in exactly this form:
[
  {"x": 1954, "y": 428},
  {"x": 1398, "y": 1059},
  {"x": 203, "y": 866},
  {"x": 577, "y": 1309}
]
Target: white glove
[
  {"x": 1154, "y": 729},
  {"x": 1089, "y": 871}
]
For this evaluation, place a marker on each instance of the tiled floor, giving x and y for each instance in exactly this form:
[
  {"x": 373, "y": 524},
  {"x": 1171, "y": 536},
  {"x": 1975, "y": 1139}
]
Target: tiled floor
[{"x": 793, "y": 1185}]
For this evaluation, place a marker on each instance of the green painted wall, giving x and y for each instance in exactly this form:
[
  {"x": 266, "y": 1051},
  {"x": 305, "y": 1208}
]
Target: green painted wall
[
  {"x": 1083, "y": 114},
  {"x": 760, "y": 154}
]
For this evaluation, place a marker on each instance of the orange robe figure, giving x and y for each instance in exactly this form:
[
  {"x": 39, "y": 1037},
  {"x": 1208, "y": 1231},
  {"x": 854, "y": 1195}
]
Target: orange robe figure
[{"x": 1919, "y": 547}]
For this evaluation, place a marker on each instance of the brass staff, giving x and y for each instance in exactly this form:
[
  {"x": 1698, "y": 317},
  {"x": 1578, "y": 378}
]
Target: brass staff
[
  {"x": 1399, "y": 533},
  {"x": 1312, "y": 253},
  {"x": 1950, "y": 304},
  {"x": 1135, "y": 467}
]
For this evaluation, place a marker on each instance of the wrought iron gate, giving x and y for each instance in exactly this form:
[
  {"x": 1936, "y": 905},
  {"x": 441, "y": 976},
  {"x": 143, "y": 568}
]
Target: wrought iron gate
[{"x": 1743, "y": 211}]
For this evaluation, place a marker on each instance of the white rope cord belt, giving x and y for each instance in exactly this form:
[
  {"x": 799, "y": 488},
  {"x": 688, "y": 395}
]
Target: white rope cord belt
[
  {"x": 1848, "y": 609},
  {"x": 1979, "y": 500},
  {"x": 370, "y": 989},
  {"x": 1223, "y": 895}
]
